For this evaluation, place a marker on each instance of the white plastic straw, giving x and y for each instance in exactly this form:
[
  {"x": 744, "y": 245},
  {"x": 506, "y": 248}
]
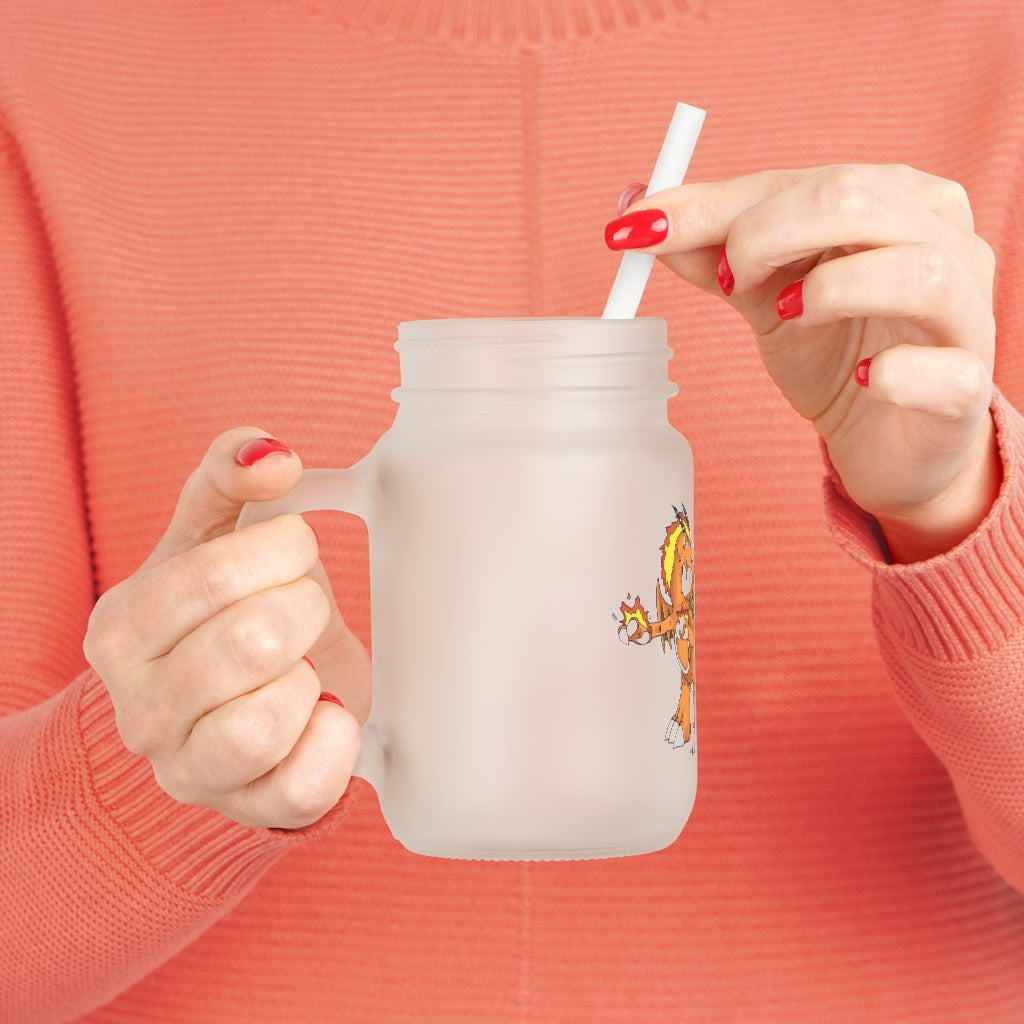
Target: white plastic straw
[{"x": 674, "y": 158}]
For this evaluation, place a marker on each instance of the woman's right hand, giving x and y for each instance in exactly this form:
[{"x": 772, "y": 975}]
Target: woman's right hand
[
  {"x": 871, "y": 299},
  {"x": 203, "y": 650}
]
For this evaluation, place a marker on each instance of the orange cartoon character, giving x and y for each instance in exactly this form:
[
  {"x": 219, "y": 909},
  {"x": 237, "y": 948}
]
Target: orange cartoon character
[{"x": 673, "y": 623}]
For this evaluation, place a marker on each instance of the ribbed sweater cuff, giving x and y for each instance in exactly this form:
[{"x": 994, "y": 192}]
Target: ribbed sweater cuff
[
  {"x": 966, "y": 602},
  {"x": 194, "y": 848}
]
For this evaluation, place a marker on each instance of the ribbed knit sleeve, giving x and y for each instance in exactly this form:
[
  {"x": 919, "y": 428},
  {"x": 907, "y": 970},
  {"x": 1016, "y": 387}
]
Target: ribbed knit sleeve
[
  {"x": 102, "y": 876},
  {"x": 951, "y": 630}
]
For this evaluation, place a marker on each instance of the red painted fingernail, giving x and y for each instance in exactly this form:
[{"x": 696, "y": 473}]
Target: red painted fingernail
[
  {"x": 724, "y": 274},
  {"x": 309, "y": 663},
  {"x": 331, "y": 698},
  {"x": 252, "y": 451},
  {"x": 628, "y": 195},
  {"x": 861, "y": 373},
  {"x": 790, "y": 303},
  {"x": 637, "y": 230}
]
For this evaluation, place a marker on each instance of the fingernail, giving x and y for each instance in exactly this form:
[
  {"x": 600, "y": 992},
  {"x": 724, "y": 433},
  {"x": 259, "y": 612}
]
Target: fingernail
[
  {"x": 252, "y": 451},
  {"x": 637, "y": 230},
  {"x": 861, "y": 373},
  {"x": 309, "y": 663},
  {"x": 330, "y": 698},
  {"x": 628, "y": 195},
  {"x": 724, "y": 274},
  {"x": 790, "y": 303}
]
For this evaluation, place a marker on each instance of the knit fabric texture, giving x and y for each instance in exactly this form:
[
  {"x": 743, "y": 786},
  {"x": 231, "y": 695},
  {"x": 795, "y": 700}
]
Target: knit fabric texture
[{"x": 215, "y": 214}]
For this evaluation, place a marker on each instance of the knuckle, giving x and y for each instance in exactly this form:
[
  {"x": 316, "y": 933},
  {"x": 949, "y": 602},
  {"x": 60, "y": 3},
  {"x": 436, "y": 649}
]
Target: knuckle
[
  {"x": 931, "y": 271},
  {"x": 953, "y": 196},
  {"x": 957, "y": 384},
  {"x": 902, "y": 173},
  {"x": 221, "y": 581},
  {"x": 309, "y": 795},
  {"x": 136, "y": 734},
  {"x": 752, "y": 246},
  {"x": 848, "y": 194},
  {"x": 254, "y": 733},
  {"x": 264, "y": 634},
  {"x": 178, "y": 783},
  {"x": 950, "y": 201},
  {"x": 254, "y": 641},
  {"x": 326, "y": 768},
  {"x": 971, "y": 382},
  {"x": 952, "y": 408},
  {"x": 104, "y": 642},
  {"x": 700, "y": 216},
  {"x": 828, "y": 292},
  {"x": 143, "y": 729},
  {"x": 315, "y": 604},
  {"x": 778, "y": 180},
  {"x": 96, "y": 643},
  {"x": 292, "y": 535}
]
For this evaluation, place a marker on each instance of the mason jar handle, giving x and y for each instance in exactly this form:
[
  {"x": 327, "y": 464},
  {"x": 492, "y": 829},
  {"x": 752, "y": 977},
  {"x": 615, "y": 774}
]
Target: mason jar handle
[
  {"x": 338, "y": 490},
  {"x": 331, "y": 490}
]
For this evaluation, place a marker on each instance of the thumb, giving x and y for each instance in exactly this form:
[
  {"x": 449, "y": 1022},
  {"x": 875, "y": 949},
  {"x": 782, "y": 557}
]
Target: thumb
[{"x": 241, "y": 465}]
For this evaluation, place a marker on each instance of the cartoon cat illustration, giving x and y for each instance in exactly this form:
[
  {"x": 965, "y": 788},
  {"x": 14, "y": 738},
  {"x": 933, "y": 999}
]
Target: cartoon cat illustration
[{"x": 673, "y": 621}]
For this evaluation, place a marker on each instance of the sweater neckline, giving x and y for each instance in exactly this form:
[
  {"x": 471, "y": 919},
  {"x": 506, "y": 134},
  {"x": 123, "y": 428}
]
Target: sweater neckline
[{"x": 522, "y": 22}]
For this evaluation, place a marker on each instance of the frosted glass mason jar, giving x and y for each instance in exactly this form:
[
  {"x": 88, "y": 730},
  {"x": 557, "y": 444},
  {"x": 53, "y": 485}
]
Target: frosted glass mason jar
[{"x": 530, "y": 519}]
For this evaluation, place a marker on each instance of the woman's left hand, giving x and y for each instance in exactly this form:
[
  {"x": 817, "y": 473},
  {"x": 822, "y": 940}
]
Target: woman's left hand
[{"x": 870, "y": 297}]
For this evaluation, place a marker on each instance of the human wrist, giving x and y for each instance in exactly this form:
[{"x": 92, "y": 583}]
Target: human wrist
[
  {"x": 950, "y": 517},
  {"x": 193, "y": 848}
]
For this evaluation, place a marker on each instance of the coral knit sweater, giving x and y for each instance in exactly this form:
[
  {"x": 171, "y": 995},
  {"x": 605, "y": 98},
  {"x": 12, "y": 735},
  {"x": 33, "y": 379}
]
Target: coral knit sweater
[{"x": 215, "y": 213}]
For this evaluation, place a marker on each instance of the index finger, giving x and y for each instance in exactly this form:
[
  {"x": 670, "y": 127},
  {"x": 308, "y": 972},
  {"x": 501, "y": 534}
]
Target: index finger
[
  {"x": 701, "y": 214},
  {"x": 171, "y": 599}
]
